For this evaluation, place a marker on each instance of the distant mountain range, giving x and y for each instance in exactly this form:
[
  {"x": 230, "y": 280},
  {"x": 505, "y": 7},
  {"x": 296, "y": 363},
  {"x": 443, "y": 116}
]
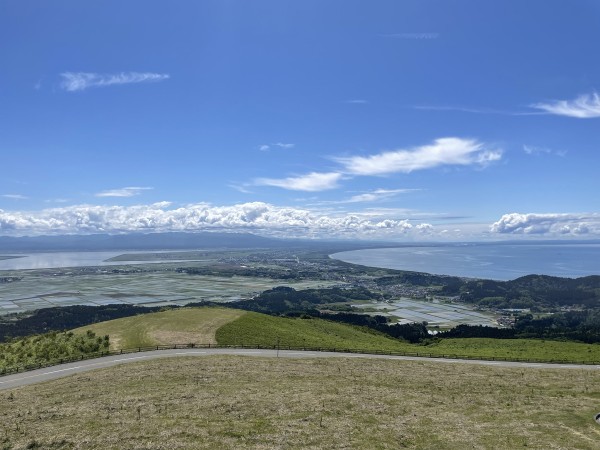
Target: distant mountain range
[
  {"x": 165, "y": 241},
  {"x": 138, "y": 241}
]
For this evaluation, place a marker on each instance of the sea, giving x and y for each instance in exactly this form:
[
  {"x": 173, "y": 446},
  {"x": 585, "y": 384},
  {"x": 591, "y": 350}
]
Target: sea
[{"x": 496, "y": 261}]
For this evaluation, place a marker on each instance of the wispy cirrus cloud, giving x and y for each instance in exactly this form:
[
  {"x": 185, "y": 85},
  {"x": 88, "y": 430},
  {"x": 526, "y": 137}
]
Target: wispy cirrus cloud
[
  {"x": 312, "y": 182},
  {"x": 266, "y": 147},
  {"x": 585, "y": 106},
  {"x": 80, "y": 81},
  {"x": 449, "y": 151},
  {"x": 534, "y": 150},
  {"x": 14, "y": 196},
  {"x": 123, "y": 192},
  {"x": 357, "y": 101},
  {"x": 377, "y": 195}
]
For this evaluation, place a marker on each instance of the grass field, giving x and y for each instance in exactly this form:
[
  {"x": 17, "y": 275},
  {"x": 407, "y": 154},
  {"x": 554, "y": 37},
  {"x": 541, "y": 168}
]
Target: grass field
[
  {"x": 178, "y": 326},
  {"x": 244, "y": 402},
  {"x": 518, "y": 349},
  {"x": 253, "y": 328}
]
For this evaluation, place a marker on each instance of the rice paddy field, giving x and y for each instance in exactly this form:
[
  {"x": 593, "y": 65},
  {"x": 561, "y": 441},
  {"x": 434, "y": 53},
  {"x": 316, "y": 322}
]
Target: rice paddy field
[
  {"x": 444, "y": 315},
  {"x": 159, "y": 288}
]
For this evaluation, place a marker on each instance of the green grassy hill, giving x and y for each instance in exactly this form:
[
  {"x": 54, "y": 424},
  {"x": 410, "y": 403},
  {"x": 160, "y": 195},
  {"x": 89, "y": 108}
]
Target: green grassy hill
[{"x": 255, "y": 328}]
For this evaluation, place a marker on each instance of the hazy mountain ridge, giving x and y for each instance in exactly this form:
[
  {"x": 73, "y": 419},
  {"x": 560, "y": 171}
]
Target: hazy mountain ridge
[{"x": 137, "y": 241}]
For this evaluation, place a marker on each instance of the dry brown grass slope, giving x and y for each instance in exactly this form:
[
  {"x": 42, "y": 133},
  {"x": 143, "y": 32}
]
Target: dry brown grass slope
[{"x": 245, "y": 402}]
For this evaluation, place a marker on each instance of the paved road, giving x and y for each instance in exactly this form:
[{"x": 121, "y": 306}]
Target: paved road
[{"x": 51, "y": 373}]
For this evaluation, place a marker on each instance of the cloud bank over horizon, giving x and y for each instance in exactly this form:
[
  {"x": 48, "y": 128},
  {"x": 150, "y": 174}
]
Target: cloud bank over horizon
[
  {"x": 256, "y": 217},
  {"x": 288, "y": 222}
]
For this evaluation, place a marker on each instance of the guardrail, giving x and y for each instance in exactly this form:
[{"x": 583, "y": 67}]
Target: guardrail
[{"x": 29, "y": 367}]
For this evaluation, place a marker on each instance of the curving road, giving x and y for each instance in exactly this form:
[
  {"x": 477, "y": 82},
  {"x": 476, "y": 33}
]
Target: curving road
[{"x": 51, "y": 373}]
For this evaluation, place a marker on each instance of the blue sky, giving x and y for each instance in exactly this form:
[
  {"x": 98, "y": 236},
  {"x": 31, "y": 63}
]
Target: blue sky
[{"x": 412, "y": 120}]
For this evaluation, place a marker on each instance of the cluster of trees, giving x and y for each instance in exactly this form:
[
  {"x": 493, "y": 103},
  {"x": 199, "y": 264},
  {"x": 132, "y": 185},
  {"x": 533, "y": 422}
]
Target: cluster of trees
[
  {"x": 531, "y": 291},
  {"x": 283, "y": 299},
  {"x": 571, "y": 325},
  {"x": 50, "y": 347}
]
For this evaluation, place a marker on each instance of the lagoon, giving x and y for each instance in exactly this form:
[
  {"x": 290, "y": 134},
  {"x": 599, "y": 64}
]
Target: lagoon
[{"x": 54, "y": 260}]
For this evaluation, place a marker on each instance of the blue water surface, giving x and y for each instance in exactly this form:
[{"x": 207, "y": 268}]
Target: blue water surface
[{"x": 491, "y": 261}]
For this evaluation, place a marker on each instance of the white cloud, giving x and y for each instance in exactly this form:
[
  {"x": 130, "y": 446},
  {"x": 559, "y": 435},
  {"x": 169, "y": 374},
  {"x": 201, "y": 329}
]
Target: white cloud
[
  {"x": 425, "y": 228},
  {"x": 14, "y": 196},
  {"x": 123, "y": 192},
  {"x": 533, "y": 150},
  {"x": 583, "y": 107},
  {"x": 240, "y": 188},
  {"x": 80, "y": 81},
  {"x": 357, "y": 102},
  {"x": 377, "y": 194},
  {"x": 257, "y": 217},
  {"x": 266, "y": 147},
  {"x": 311, "y": 182},
  {"x": 283, "y": 145},
  {"x": 443, "y": 151},
  {"x": 548, "y": 224}
]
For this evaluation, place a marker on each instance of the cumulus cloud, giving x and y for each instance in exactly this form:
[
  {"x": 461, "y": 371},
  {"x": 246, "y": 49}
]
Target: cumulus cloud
[
  {"x": 80, "y": 81},
  {"x": 583, "y": 107},
  {"x": 123, "y": 192},
  {"x": 552, "y": 224},
  {"x": 443, "y": 151},
  {"x": 425, "y": 228},
  {"x": 257, "y": 217},
  {"x": 314, "y": 181}
]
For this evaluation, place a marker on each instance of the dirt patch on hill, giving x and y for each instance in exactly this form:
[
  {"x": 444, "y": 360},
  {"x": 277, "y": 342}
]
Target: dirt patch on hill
[{"x": 203, "y": 333}]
